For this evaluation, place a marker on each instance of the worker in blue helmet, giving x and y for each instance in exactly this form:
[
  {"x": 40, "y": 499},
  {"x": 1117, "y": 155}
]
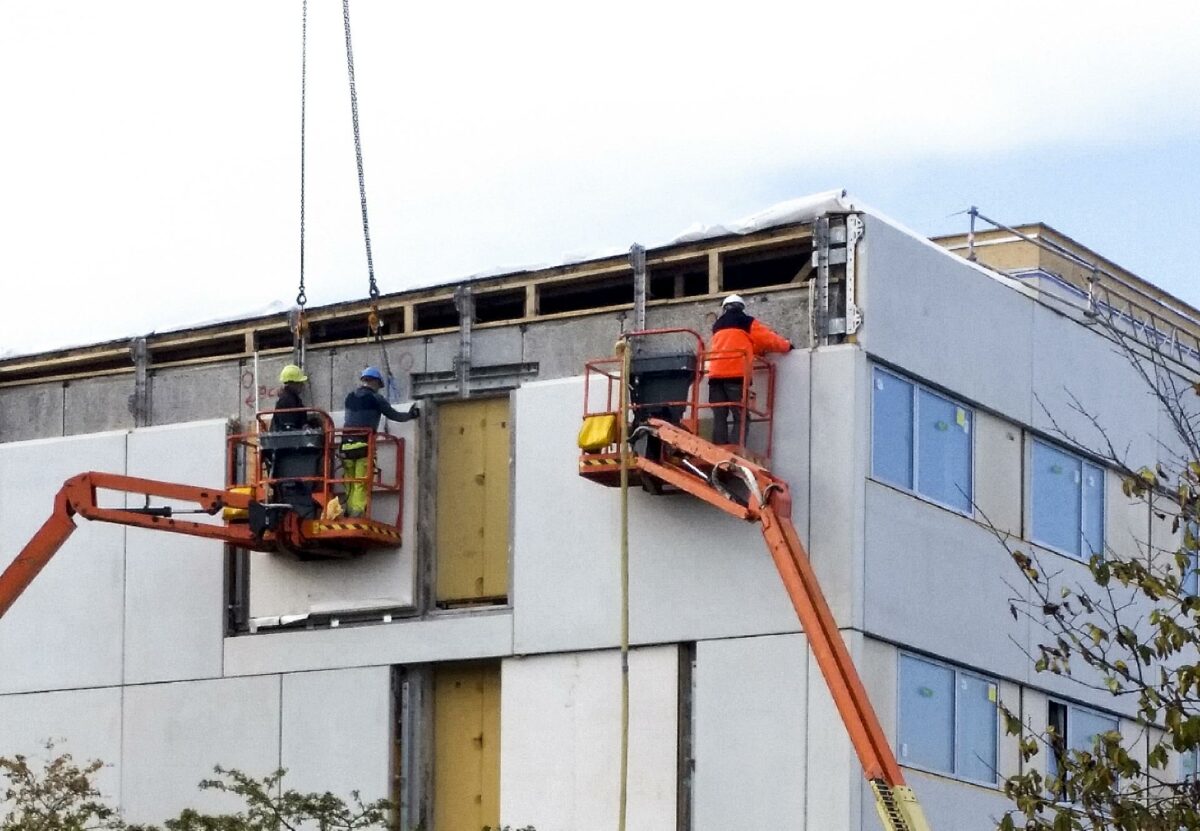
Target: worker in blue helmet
[{"x": 365, "y": 406}]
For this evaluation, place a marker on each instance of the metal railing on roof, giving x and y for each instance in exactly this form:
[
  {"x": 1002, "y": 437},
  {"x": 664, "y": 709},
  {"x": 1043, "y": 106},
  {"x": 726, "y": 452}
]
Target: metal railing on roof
[{"x": 1127, "y": 307}]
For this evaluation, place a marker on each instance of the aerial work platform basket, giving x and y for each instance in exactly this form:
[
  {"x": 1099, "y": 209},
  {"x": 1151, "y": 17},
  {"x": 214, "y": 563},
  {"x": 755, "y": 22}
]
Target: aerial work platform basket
[
  {"x": 302, "y": 471},
  {"x": 666, "y": 377}
]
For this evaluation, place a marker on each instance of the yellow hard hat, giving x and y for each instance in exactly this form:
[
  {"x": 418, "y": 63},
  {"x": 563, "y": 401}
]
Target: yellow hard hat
[{"x": 292, "y": 374}]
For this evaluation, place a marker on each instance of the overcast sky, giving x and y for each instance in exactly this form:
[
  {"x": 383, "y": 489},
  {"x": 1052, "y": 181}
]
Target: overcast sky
[{"x": 149, "y": 156}]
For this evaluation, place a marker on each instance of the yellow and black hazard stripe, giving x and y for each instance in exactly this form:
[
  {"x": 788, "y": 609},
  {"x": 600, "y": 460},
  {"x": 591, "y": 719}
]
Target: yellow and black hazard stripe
[
  {"x": 373, "y": 529},
  {"x": 604, "y": 461}
]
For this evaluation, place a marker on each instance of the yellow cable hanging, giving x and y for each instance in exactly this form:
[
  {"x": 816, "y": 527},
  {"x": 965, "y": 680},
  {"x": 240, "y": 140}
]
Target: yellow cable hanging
[{"x": 624, "y": 350}]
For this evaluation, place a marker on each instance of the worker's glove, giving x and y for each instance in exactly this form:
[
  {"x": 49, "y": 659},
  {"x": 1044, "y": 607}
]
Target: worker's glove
[
  {"x": 791, "y": 346},
  {"x": 414, "y": 411}
]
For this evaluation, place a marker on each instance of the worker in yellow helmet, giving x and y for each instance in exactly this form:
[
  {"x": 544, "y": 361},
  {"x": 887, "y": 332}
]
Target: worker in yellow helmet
[{"x": 291, "y": 398}]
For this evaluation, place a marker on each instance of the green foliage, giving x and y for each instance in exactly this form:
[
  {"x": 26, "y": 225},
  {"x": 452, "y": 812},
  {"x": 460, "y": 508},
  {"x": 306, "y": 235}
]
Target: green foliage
[
  {"x": 57, "y": 796},
  {"x": 62, "y": 796},
  {"x": 1128, "y": 627},
  {"x": 270, "y": 808}
]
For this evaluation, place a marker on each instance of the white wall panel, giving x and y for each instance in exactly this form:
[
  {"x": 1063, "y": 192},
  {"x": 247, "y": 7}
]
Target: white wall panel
[
  {"x": 694, "y": 572},
  {"x": 560, "y": 740},
  {"x": 175, "y": 733},
  {"x": 65, "y": 631},
  {"x": 84, "y": 723},
  {"x": 840, "y": 448},
  {"x": 945, "y": 320},
  {"x": 336, "y": 731},
  {"x": 750, "y": 727},
  {"x": 999, "y": 472},
  {"x": 1074, "y": 369},
  {"x": 938, "y": 582},
  {"x": 446, "y": 637},
  {"x": 174, "y": 584},
  {"x": 948, "y": 803},
  {"x": 280, "y": 584}
]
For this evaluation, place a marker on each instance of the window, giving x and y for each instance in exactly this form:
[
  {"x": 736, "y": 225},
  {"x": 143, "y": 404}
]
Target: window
[
  {"x": 1068, "y": 501},
  {"x": 1190, "y": 763},
  {"x": 947, "y": 720},
  {"x": 1192, "y": 570},
  {"x": 921, "y": 441},
  {"x": 1075, "y": 728}
]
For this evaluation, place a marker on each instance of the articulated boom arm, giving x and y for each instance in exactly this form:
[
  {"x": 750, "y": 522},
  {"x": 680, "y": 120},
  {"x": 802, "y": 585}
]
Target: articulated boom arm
[
  {"x": 78, "y": 497},
  {"x": 748, "y": 491}
]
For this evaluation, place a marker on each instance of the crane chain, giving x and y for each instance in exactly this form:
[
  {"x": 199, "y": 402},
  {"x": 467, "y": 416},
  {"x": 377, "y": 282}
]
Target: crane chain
[
  {"x": 301, "y": 296},
  {"x": 373, "y": 291}
]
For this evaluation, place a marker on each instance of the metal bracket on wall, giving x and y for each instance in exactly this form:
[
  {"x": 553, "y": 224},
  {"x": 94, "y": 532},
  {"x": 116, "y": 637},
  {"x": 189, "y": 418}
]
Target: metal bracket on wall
[
  {"x": 482, "y": 379},
  {"x": 819, "y": 300},
  {"x": 464, "y": 302},
  {"x": 637, "y": 259},
  {"x": 835, "y": 240},
  {"x": 139, "y": 401}
]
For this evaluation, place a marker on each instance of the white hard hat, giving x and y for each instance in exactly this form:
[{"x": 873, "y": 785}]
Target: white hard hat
[{"x": 733, "y": 298}]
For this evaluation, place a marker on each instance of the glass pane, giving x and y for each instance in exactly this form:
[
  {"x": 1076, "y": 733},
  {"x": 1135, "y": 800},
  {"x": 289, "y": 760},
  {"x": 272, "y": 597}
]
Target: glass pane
[
  {"x": 975, "y": 748},
  {"x": 891, "y": 430},
  {"x": 1093, "y": 510},
  {"x": 1085, "y": 726},
  {"x": 1190, "y": 581},
  {"x": 1056, "y": 498},
  {"x": 944, "y": 451},
  {"x": 1188, "y": 761},
  {"x": 926, "y": 714}
]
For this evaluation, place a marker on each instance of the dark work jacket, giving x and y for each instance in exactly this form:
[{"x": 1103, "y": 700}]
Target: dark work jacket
[
  {"x": 364, "y": 406},
  {"x": 288, "y": 399}
]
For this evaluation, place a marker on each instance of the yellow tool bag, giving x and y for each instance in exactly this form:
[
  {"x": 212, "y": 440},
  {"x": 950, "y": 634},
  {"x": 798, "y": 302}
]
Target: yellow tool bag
[{"x": 598, "y": 432}]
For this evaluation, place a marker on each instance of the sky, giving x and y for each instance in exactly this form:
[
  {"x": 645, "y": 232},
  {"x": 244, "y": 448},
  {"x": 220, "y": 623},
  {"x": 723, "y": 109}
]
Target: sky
[{"x": 150, "y": 150}]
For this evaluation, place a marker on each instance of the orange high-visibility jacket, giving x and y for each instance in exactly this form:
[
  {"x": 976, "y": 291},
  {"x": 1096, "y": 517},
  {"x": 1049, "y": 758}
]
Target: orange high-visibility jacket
[{"x": 737, "y": 339}]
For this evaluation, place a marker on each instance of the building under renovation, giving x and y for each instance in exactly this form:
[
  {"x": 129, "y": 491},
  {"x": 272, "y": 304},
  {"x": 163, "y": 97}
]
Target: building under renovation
[{"x": 468, "y": 666}]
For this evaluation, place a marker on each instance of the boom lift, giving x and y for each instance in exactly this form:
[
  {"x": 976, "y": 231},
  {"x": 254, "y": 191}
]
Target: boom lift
[
  {"x": 667, "y": 454},
  {"x": 280, "y": 494}
]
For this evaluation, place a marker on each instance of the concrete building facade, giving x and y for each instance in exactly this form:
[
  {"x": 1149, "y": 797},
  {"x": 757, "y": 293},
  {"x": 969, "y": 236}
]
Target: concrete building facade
[{"x": 472, "y": 674}]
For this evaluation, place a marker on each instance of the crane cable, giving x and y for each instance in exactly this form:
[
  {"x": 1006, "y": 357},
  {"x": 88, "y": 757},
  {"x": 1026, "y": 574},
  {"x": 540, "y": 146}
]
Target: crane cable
[
  {"x": 625, "y": 349},
  {"x": 373, "y": 320},
  {"x": 299, "y": 323}
]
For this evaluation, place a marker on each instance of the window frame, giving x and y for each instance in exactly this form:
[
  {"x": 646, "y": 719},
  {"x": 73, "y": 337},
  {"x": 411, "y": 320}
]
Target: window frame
[
  {"x": 1071, "y": 708},
  {"x": 914, "y": 490},
  {"x": 957, "y": 671},
  {"x": 1084, "y": 462}
]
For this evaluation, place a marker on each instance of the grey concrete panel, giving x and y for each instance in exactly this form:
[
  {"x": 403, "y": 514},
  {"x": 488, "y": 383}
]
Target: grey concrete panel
[
  {"x": 948, "y": 803},
  {"x": 946, "y": 321},
  {"x": 453, "y": 636},
  {"x": 694, "y": 572},
  {"x": 336, "y": 731},
  {"x": 385, "y": 578},
  {"x": 999, "y": 472},
  {"x": 84, "y": 723},
  {"x": 174, "y": 734},
  {"x": 750, "y": 728},
  {"x": 560, "y": 740},
  {"x": 939, "y": 582},
  {"x": 405, "y": 356},
  {"x": 174, "y": 584},
  {"x": 502, "y": 345},
  {"x": 73, "y": 609},
  {"x": 32, "y": 412},
  {"x": 562, "y": 347},
  {"x": 195, "y": 393},
  {"x": 840, "y": 450},
  {"x": 93, "y": 405},
  {"x": 1076, "y": 368},
  {"x": 441, "y": 351}
]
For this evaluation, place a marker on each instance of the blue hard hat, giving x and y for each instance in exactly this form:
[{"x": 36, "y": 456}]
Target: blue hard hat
[{"x": 372, "y": 372}]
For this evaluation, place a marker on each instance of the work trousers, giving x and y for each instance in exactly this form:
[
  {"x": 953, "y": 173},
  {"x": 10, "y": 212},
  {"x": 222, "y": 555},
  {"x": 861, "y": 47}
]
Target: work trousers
[
  {"x": 726, "y": 391},
  {"x": 358, "y": 472}
]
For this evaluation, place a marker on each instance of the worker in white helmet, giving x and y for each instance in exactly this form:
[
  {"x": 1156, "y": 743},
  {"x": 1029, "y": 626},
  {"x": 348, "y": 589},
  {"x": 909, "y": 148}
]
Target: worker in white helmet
[{"x": 737, "y": 339}]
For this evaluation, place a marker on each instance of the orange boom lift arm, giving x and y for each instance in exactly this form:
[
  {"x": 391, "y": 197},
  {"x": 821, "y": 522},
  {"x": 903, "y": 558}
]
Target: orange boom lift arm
[{"x": 675, "y": 458}]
